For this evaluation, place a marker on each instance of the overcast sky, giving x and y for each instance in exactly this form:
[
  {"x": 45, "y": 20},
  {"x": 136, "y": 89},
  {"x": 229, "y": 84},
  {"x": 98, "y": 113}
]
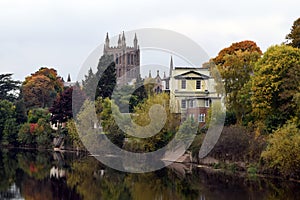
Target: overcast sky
[{"x": 61, "y": 34}]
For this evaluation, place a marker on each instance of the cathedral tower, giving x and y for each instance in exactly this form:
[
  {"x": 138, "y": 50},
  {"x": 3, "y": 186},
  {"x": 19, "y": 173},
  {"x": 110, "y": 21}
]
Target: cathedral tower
[{"x": 127, "y": 58}]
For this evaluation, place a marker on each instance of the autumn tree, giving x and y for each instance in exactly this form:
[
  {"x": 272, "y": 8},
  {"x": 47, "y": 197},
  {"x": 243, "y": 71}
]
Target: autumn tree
[
  {"x": 61, "y": 109},
  {"x": 275, "y": 84},
  {"x": 235, "y": 65},
  {"x": 293, "y": 38},
  {"x": 8, "y": 87},
  {"x": 41, "y": 88}
]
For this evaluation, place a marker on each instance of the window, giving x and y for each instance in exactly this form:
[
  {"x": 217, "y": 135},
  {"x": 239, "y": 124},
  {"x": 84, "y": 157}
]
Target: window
[
  {"x": 207, "y": 102},
  {"x": 191, "y": 103},
  {"x": 128, "y": 59},
  {"x": 183, "y": 103},
  {"x": 183, "y": 84},
  {"x": 198, "y": 84},
  {"x": 201, "y": 118},
  {"x": 167, "y": 85}
]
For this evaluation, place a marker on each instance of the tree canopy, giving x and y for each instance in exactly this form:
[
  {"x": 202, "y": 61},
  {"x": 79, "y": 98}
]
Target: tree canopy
[
  {"x": 8, "y": 87},
  {"x": 106, "y": 75},
  {"x": 293, "y": 38},
  {"x": 275, "y": 84},
  {"x": 235, "y": 65},
  {"x": 41, "y": 88}
]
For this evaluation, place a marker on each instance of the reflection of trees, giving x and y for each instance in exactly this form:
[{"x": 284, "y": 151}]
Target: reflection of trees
[
  {"x": 88, "y": 179},
  {"x": 8, "y": 166},
  {"x": 91, "y": 184},
  {"x": 35, "y": 164}
]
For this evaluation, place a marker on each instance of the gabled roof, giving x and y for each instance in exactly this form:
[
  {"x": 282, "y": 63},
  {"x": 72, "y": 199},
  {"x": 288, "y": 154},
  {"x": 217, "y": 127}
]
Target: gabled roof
[{"x": 191, "y": 75}]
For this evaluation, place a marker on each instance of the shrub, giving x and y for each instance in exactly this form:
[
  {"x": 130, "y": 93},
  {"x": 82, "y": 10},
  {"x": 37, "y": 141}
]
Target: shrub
[{"x": 283, "y": 151}]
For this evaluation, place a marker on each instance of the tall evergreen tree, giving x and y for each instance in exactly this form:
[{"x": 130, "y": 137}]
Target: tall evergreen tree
[
  {"x": 293, "y": 38},
  {"x": 106, "y": 75},
  {"x": 89, "y": 84},
  {"x": 8, "y": 87}
]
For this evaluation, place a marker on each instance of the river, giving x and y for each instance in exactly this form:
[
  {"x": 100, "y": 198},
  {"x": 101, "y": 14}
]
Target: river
[{"x": 43, "y": 175}]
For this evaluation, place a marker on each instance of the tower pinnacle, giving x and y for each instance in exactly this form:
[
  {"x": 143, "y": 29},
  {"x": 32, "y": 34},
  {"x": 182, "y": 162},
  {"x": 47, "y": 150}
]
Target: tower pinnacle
[
  {"x": 171, "y": 66},
  {"x": 135, "y": 41},
  {"x": 107, "y": 41}
]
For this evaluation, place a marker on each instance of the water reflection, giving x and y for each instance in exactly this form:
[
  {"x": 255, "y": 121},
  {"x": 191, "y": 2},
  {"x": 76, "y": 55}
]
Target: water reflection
[{"x": 52, "y": 175}]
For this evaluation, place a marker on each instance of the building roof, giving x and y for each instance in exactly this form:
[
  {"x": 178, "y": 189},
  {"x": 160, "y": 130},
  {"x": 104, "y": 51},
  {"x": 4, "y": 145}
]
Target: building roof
[{"x": 191, "y": 75}]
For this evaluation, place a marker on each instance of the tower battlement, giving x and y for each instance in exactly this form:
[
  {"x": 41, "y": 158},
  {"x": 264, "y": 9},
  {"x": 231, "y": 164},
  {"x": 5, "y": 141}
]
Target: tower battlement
[{"x": 127, "y": 58}]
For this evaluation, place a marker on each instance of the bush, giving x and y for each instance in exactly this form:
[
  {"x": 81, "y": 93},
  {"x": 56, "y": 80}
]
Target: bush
[
  {"x": 25, "y": 137},
  {"x": 283, "y": 151},
  {"x": 252, "y": 169},
  {"x": 10, "y": 132},
  {"x": 232, "y": 145}
]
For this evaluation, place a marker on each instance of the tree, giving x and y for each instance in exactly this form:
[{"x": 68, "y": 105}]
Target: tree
[
  {"x": 275, "y": 84},
  {"x": 293, "y": 38},
  {"x": 90, "y": 84},
  {"x": 41, "y": 88},
  {"x": 126, "y": 97},
  {"x": 8, "y": 87},
  {"x": 7, "y": 113},
  {"x": 236, "y": 64},
  {"x": 246, "y": 45},
  {"x": 61, "y": 109},
  {"x": 10, "y": 132},
  {"x": 283, "y": 151},
  {"x": 106, "y": 75}
]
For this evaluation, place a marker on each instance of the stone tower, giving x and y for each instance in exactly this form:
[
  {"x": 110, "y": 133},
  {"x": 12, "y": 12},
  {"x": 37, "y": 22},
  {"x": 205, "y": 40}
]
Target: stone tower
[{"x": 127, "y": 58}]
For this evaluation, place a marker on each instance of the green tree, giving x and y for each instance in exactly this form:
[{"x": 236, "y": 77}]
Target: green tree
[
  {"x": 8, "y": 87},
  {"x": 236, "y": 64},
  {"x": 89, "y": 84},
  {"x": 39, "y": 113},
  {"x": 73, "y": 134},
  {"x": 142, "y": 119},
  {"x": 283, "y": 151},
  {"x": 275, "y": 83},
  {"x": 106, "y": 74},
  {"x": 7, "y": 112},
  {"x": 293, "y": 38},
  {"x": 10, "y": 132},
  {"x": 43, "y": 133}
]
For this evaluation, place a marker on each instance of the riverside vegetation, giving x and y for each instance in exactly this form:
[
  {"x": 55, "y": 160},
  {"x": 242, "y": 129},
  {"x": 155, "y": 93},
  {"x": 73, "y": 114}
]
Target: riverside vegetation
[{"x": 262, "y": 125}]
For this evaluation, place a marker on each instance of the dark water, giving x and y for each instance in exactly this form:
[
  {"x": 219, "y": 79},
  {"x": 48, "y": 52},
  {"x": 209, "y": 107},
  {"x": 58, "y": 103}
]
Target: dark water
[{"x": 48, "y": 175}]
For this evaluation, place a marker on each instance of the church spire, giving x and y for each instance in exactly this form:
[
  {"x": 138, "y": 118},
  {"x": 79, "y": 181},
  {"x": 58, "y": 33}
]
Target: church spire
[
  {"x": 171, "y": 66},
  {"x": 69, "y": 78}
]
